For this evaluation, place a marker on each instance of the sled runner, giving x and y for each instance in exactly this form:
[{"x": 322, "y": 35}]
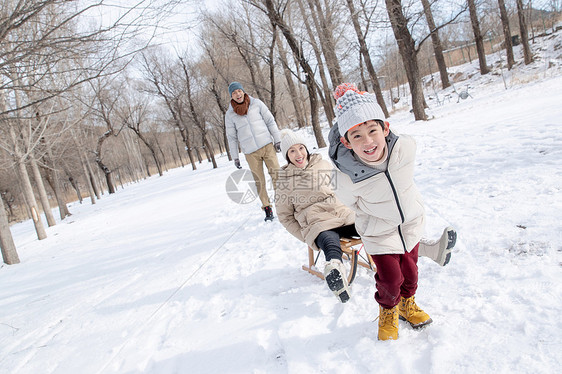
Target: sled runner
[{"x": 351, "y": 258}]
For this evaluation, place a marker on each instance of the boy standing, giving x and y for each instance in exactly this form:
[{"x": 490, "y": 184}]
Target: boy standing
[{"x": 375, "y": 178}]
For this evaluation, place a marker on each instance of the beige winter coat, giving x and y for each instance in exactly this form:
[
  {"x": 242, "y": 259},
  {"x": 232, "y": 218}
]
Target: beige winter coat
[
  {"x": 305, "y": 202},
  {"x": 388, "y": 207}
]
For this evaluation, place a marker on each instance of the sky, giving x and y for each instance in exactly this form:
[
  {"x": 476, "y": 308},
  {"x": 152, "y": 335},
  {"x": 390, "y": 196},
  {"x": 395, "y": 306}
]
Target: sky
[{"x": 169, "y": 275}]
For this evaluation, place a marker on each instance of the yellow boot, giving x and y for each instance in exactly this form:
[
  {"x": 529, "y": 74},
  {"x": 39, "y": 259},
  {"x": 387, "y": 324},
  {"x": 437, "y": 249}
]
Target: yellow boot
[
  {"x": 409, "y": 311},
  {"x": 388, "y": 323}
]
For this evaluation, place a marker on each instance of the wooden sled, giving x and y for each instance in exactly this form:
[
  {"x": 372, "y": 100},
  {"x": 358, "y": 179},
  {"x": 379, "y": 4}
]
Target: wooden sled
[{"x": 351, "y": 257}]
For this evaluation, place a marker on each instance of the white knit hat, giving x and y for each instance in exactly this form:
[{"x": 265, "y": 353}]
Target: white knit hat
[
  {"x": 288, "y": 139},
  {"x": 354, "y": 108}
]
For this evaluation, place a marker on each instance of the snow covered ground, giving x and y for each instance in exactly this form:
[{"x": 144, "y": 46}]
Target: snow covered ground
[{"x": 171, "y": 276}]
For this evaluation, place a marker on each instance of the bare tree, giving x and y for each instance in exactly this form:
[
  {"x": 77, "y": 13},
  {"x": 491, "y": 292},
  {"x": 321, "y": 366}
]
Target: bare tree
[
  {"x": 275, "y": 16},
  {"x": 523, "y": 31},
  {"x": 239, "y": 36},
  {"x": 166, "y": 81},
  {"x": 216, "y": 62},
  {"x": 46, "y": 31},
  {"x": 407, "y": 49},
  {"x": 134, "y": 117},
  {"x": 507, "y": 34},
  {"x": 41, "y": 190},
  {"x": 195, "y": 117},
  {"x": 322, "y": 19},
  {"x": 215, "y": 92},
  {"x": 364, "y": 51},
  {"x": 293, "y": 93},
  {"x": 44, "y": 54},
  {"x": 326, "y": 98},
  {"x": 437, "y": 47},
  {"x": 408, "y": 52},
  {"x": 478, "y": 39},
  {"x": 9, "y": 253},
  {"x": 17, "y": 132},
  {"x": 93, "y": 188},
  {"x": 107, "y": 95}
]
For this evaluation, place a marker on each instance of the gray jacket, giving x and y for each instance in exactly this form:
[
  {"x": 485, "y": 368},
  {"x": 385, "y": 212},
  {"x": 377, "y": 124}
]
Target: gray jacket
[{"x": 253, "y": 130}]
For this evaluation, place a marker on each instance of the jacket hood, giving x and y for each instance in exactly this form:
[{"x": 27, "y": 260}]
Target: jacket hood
[{"x": 344, "y": 159}]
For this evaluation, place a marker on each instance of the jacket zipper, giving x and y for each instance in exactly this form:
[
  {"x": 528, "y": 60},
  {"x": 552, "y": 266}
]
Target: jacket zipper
[{"x": 399, "y": 208}]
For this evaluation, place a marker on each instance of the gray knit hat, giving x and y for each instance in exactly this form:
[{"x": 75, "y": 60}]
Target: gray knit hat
[
  {"x": 233, "y": 87},
  {"x": 288, "y": 139},
  {"x": 354, "y": 108}
]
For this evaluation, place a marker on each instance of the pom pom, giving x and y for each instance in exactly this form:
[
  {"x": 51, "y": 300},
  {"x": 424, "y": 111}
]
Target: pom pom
[{"x": 343, "y": 88}]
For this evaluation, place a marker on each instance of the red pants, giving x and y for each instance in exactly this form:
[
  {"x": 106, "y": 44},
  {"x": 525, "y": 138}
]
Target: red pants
[{"x": 397, "y": 275}]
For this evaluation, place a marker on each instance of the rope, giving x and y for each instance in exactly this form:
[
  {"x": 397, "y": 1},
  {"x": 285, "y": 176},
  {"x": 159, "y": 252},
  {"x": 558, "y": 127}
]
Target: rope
[{"x": 161, "y": 306}]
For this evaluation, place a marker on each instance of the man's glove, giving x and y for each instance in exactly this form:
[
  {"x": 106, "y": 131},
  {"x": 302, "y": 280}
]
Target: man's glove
[
  {"x": 278, "y": 147},
  {"x": 237, "y": 163}
]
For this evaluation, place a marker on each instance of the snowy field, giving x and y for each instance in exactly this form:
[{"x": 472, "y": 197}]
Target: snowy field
[{"x": 171, "y": 276}]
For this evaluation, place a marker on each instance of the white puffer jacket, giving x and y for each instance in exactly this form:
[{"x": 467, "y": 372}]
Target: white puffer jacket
[
  {"x": 253, "y": 130},
  {"x": 389, "y": 212}
]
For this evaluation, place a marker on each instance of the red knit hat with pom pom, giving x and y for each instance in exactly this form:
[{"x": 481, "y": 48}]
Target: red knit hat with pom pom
[{"x": 354, "y": 107}]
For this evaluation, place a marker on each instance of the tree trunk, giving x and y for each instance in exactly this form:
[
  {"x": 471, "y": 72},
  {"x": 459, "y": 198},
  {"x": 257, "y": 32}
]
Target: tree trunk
[
  {"x": 367, "y": 58},
  {"x": 164, "y": 162},
  {"x": 324, "y": 29},
  {"x": 327, "y": 101},
  {"x": 218, "y": 140},
  {"x": 364, "y": 86},
  {"x": 150, "y": 148},
  {"x": 52, "y": 179},
  {"x": 251, "y": 69},
  {"x": 193, "y": 112},
  {"x": 9, "y": 253},
  {"x": 523, "y": 31},
  {"x": 88, "y": 175},
  {"x": 92, "y": 178},
  {"x": 42, "y": 192},
  {"x": 25, "y": 184},
  {"x": 106, "y": 171},
  {"x": 209, "y": 150},
  {"x": 437, "y": 48},
  {"x": 174, "y": 106},
  {"x": 31, "y": 202},
  {"x": 135, "y": 162},
  {"x": 309, "y": 73},
  {"x": 86, "y": 178},
  {"x": 506, "y": 34},
  {"x": 301, "y": 122},
  {"x": 187, "y": 141},
  {"x": 271, "y": 65},
  {"x": 478, "y": 39},
  {"x": 406, "y": 47},
  {"x": 218, "y": 100}
]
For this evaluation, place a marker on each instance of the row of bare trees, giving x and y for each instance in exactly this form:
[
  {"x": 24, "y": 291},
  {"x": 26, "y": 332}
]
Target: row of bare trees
[
  {"x": 53, "y": 58},
  {"x": 88, "y": 107}
]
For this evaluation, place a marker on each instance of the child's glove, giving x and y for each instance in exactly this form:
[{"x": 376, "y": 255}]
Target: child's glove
[
  {"x": 237, "y": 163},
  {"x": 278, "y": 147}
]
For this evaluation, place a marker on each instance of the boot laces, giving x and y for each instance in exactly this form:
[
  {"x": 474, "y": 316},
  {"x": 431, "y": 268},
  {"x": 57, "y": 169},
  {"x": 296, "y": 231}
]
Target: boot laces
[
  {"x": 387, "y": 316},
  {"x": 411, "y": 306}
]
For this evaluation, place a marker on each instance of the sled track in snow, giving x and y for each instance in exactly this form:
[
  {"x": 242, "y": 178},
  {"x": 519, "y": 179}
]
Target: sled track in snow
[{"x": 165, "y": 302}]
